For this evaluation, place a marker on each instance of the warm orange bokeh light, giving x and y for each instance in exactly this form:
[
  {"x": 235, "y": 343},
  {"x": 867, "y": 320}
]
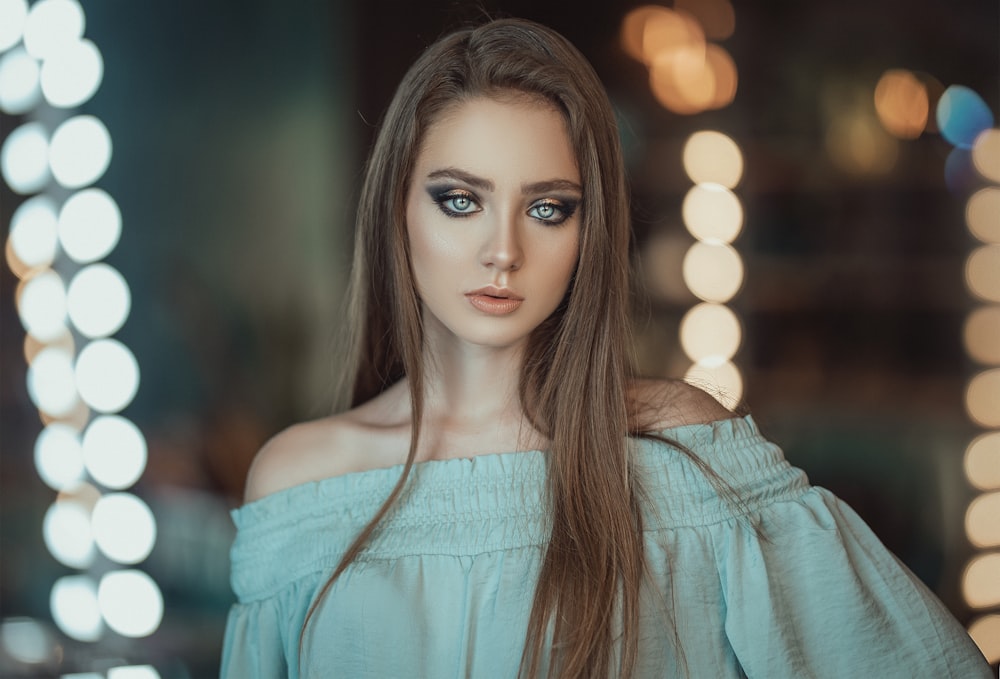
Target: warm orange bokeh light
[
  {"x": 982, "y": 335},
  {"x": 712, "y": 213},
  {"x": 982, "y": 213},
  {"x": 982, "y": 272},
  {"x": 981, "y": 581},
  {"x": 717, "y": 17},
  {"x": 713, "y": 271},
  {"x": 985, "y": 631},
  {"x": 982, "y": 398},
  {"x": 986, "y": 157},
  {"x": 723, "y": 68},
  {"x": 633, "y": 27},
  {"x": 982, "y": 521},
  {"x": 710, "y": 333},
  {"x": 902, "y": 104},
  {"x": 982, "y": 461}
]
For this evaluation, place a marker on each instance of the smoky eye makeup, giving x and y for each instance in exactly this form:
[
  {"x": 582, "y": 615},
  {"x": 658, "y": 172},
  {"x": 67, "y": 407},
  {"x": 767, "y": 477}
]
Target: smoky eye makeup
[
  {"x": 453, "y": 201},
  {"x": 553, "y": 211}
]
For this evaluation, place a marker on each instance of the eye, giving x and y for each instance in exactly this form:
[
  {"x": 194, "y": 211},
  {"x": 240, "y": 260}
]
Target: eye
[
  {"x": 457, "y": 203},
  {"x": 551, "y": 211}
]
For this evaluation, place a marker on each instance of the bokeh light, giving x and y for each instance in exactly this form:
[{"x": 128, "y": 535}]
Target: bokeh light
[
  {"x": 72, "y": 75},
  {"x": 133, "y": 672},
  {"x": 80, "y": 151},
  {"x": 857, "y": 144},
  {"x": 982, "y": 272},
  {"x": 13, "y": 14},
  {"x": 42, "y": 306},
  {"x": 713, "y": 157},
  {"x": 717, "y": 17},
  {"x": 51, "y": 382},
  {"x": 98, "y": 300},
  {"x": 633, "y": 28},
  {"x": 721, "y": 379},
  {"x": 710, "y": 332},
  {"x": 124, "y": 527},
  {"x": 724, "y": 75},
  {"x": 51, "y": 24},
  {"x": 66, "y": 530},
  {"x": 107, "y": 375},
  {"x": 981, "y": 581},
  {"x": 713, "y": 271},
  {"x": 985, "y": 631},
  {"x": 982, "y": 461},
  {"x": 20, "y": 88},
  {"x": 27, "y": 640},
  {"x": 24, "y": 158},
  {"x": 901, "y": 103},
  {"x": 982, "y": 398},
  {"x": 982, "y": 214},
  {"x": 90, "y": 225},
  {"x": 982, "y": 520},
  {"x": 986, "y": 155},
  {"x": 114, "y": 451},
  {"x": 682, "y": 81},
  {"x": 982, "y": 334},
  {"x": 74, "y": 606},
  {"x": 130, "y": 603},
  {"x": 712, "y": 213},
  {"x": 962, "y": 115},
  {"x": 59, "y": 456},
  {"x": 33, "y": 232},
  {"x": 33, "y": 345},
  {"x": 666, "y": 31}
]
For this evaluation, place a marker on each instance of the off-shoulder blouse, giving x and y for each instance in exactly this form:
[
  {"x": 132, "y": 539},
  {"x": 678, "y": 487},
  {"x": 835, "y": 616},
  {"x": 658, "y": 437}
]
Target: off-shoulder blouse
[{"x": 786, "y": 582}]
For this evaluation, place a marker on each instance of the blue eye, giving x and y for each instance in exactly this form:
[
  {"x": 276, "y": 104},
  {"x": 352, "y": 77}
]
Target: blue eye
[
  {"x": 457, "y": 203},
  {"x": 551, "y": 212}
]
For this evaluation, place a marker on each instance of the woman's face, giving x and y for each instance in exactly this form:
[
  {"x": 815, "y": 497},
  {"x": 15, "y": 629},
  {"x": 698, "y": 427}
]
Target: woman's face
[{"x": 493, "y": 216}]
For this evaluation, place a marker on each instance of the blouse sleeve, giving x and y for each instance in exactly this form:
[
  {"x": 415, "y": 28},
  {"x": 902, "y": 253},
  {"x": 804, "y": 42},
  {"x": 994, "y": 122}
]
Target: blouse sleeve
[
  {"x": 811, "y": 592},
  {"x": 253, "y": 646}
]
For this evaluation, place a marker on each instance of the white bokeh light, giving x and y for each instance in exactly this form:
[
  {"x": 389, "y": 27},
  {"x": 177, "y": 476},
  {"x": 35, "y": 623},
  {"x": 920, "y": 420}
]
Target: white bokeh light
[
  {"x": 124, "y": 527},
  {"x": 24, "y": 158},
  {"x": 74, "y": 606},
  {"x": 107, "y": 375},
  {"x": 51, "y": 25},
  {"x": 42, "y": 306},
  {"x": 80, "y": 151},
  {"x": 720, "y": 378},
  {"x": 72, "y": 75},
  {"x": 90, "y": 225},
  {"x": 67, "y": 533},
  {"x": 27, "y": 640},
  {"x": 20, "y": 89},
  {"x": 34, "y": 231},
  {"x": 133, "y": 672},
  {"x": 114, "y": 451},
  {"x": 712, "y": 213},
  {"x": 98, "y": 300},
  {"x": 12, "y": 17},
  {"x": 710, "y": 332},
  {"x": 59, "y": 456},
  {"x": 130, "y": 602},
  {"x": 51, "y": 382}
]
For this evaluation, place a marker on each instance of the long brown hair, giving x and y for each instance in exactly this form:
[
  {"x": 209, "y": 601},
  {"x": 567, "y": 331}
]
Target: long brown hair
[{"x": 573, "y": 384}]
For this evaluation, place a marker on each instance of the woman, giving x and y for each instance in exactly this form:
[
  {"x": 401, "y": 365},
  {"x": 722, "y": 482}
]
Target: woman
[{"x": 422, "y": 532}]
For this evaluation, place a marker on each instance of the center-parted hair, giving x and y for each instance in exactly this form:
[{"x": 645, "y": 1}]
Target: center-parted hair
[{"x": 585, "y": 616}]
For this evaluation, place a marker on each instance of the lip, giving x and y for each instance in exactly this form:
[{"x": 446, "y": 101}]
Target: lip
[{"x": 494, "y": 301}]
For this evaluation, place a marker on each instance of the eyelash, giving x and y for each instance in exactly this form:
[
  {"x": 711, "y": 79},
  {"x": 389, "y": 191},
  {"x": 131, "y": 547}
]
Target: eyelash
[{"x": 564, "y": 210}]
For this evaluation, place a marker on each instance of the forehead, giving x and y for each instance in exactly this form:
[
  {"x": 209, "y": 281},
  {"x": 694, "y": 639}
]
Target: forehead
[{"x": 517, "y": 138}]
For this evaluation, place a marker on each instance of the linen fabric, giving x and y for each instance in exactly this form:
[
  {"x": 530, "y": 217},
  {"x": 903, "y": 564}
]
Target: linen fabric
[{"x": 785, "y": 582}]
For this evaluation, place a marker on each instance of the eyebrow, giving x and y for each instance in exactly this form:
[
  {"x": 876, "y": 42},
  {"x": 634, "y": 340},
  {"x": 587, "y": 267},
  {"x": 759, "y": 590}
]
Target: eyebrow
[{"x": 475, "y": 181}]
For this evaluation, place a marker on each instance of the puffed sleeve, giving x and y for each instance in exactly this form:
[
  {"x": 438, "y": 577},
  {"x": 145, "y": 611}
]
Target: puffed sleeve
[
  {"x": 253, "y": 647},
  {"x": 811, "y": 592}
]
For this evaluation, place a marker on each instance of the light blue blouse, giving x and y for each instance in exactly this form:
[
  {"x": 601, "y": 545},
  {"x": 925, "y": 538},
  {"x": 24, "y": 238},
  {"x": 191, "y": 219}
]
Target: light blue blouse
[{"x": 445, "y": 587}]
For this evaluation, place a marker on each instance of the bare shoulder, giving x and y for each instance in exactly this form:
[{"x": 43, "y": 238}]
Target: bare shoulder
[
  {"x": 666, "y": 403},
  {"x": 304, "y": 452},
  {"x": 361, "y": 439}
]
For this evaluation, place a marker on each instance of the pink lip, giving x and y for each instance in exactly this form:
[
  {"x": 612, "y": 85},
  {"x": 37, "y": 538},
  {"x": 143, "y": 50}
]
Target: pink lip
[{"x": 494, "y": 301}]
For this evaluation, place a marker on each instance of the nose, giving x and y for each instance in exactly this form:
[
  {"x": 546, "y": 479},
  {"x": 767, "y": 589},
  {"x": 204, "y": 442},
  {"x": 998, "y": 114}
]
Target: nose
[{"x": 502, "y": 248}]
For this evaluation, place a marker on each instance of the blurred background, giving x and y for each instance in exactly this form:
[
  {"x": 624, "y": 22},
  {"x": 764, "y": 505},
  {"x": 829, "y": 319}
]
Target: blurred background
[{"x": 816, "y": 203}]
